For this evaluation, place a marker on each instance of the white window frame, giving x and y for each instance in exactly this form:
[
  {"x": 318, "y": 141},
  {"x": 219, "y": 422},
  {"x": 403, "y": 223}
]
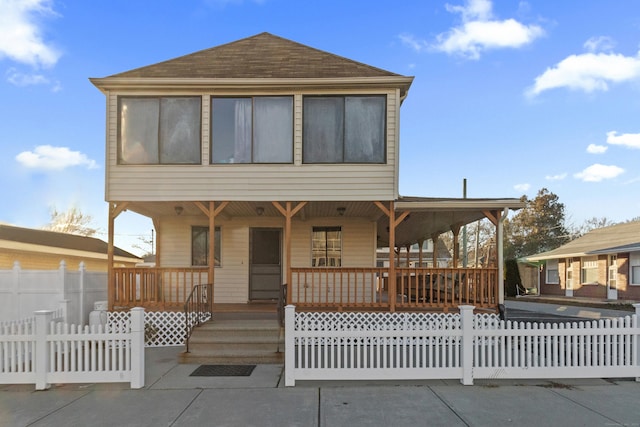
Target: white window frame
[
  {"x": 552, "y": 266},
  {"x": 588, "y": 263},
  {"x": 634, "y": 267}
]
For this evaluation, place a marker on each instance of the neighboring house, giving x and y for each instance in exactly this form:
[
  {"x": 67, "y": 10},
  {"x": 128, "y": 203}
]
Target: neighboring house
[
  {"x": 44, "y": 250},
  {"x": 264, "y": 161},
  {"x": 604, "y": 263},
  {"x": 414, "y": 257}
]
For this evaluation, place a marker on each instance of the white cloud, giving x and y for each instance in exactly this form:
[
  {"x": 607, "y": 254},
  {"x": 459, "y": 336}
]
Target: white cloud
[
  {"x": 596, "y": 149},
  {"x": 598, "y": 172},
  {"x": 19, "y": 79},
  {"x": 21, "y": 37},
  {"x": 522, "y": 187},
  {"x": 558, "y": 177},
  {"x": 413, "y": 43},
  {"x": 475, "y": 9},
  {"x": 480, "y": 32},
  {"x": 46, "y": 157},
  {"x": 588, "y": 72},
  {"x": 599, "y": 44},
  {"x": 630, "y": 140}
]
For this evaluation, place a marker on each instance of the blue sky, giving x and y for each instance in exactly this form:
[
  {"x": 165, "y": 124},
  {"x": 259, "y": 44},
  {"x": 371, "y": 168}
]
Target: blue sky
[{"x": 513, "y": 96}]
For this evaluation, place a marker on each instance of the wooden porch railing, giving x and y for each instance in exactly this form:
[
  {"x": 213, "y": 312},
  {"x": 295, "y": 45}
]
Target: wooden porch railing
[
  {"x": 437, "y": 289},
  {"x": 416, "y": 288},
  {"x": 160, "y": 288}
]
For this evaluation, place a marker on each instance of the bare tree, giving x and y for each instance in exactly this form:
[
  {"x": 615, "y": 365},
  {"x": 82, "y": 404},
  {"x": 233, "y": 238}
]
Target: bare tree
[
  {"x": 72, "y": 221},
  {"x": 146, "y": 244},
  {"x": 589, "y": 225}
]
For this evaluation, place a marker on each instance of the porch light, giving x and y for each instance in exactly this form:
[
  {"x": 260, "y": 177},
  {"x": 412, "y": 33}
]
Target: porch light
[
  {"x": 259, "y": 210},
  {"x": 178, "y": 209},
  {"x": 341, "y": 210}
]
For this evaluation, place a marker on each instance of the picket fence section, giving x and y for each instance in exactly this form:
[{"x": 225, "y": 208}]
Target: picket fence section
[
  {"x": 45, "y": 352},
  {"x": 400, "y": 346}
]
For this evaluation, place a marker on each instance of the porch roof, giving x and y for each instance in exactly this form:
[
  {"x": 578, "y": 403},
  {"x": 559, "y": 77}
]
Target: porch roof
[{"x": 427, "y": 216}]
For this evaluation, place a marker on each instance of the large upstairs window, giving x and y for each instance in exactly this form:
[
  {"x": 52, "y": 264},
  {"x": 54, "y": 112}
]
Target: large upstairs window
[
  {"x": 159, "y": 130},
  {"x": 344, "y": 129},
  {"x": 252, "y": 130}
]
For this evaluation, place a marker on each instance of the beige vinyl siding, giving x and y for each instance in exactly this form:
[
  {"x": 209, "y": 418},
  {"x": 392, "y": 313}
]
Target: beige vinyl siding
[
  {"x": 232, "y": 277},
  {"x": 251, "y": 182},
  {"x": 358, "y": 241},
  {"x": 358, "y": 250},
  {"x": 296, "y": 181}
]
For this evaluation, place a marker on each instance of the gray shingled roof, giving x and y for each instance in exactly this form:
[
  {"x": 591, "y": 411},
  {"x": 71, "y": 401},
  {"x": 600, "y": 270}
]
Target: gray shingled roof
[
  {"x": 58, "y": 240},
  {"x": 261, "y": 56},
  {"x": 613, "y": 239}
]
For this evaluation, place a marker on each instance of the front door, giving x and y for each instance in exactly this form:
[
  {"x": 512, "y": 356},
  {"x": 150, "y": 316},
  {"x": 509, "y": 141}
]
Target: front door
[
  {"x": 568, "y": 291},
  {"x": 265, "y": 263},
  {"x": 612, "y": 277}
]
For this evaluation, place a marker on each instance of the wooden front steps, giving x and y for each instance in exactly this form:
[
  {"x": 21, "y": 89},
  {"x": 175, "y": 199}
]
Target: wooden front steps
[{"x": 237, "y": 339}]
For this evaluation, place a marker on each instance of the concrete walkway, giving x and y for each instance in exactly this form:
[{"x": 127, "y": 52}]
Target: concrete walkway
[{"x": 173, "y": 398}]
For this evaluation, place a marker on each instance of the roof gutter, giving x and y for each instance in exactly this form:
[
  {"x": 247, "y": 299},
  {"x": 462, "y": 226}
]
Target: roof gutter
[{"x": 141, "y": 83}]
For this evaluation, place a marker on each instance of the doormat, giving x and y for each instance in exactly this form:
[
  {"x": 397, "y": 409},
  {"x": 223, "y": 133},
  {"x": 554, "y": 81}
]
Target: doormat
[{"x": 223, "y": 371}]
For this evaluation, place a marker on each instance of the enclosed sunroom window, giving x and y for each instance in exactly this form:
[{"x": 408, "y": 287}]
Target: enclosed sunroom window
[
  {"x": 344, "y": 129},
  {"x": 159, "y": 130},
  {"x": 252, "y": 130}
]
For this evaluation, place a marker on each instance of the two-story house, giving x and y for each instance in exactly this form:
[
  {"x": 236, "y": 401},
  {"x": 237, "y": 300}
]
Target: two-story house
[{"x": 264, "y": 161}]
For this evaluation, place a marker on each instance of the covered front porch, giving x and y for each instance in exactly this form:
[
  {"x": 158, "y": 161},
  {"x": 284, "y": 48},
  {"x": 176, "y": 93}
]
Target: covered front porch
[{"x": 353, "y": 283}]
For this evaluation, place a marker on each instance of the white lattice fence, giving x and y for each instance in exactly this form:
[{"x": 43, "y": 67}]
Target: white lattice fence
[
  {"x": 357, "y": 346},
  {"x": 366, "y": 321},
  {"x": 161, "y": 328}
]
